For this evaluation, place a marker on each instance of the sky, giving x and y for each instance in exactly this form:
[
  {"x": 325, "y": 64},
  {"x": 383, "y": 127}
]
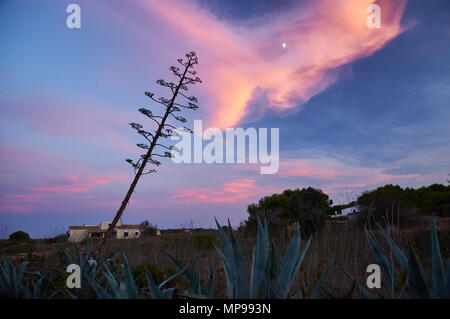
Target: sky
[{"x": 356, "y": 107}]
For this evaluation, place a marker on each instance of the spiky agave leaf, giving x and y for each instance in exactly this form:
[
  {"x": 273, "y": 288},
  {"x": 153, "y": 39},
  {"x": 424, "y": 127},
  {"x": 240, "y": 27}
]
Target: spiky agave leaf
[
  {"x": 209, "y": 288},
  {"x": 121, "y": 288},
  {"x": 156, "y": 291},
  {"x": 88, "y": 267},
  {"x": 13, "y": 284},
  {"x": 441, "y": 288},
  {"x": 205, "y": 292},
  {"x": 364, "y": 291},
  {"x": 290, "y": 265},
  {"x": 194, "y": 286},
  {"x": 399, "y": 255},
  {"x": 419, "y": 284},
  {"x": 260, "y": 271},
  {"x": 319, "y": 284},
  {"x": 385, "y": 265},
  {"x": 233, "y": 264}
]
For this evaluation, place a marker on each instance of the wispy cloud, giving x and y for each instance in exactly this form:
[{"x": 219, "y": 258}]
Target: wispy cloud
[
  {"x": 247, "y": 62},
  {"x": 239, "y": 190}
]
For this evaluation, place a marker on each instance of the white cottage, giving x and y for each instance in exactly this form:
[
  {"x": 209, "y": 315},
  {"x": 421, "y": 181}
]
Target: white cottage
[{"x": 79, "y": 233}]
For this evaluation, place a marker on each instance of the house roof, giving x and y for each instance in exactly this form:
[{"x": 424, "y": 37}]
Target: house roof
[
  {"x": 129, "y": 227},
  {"x": 84, "y": 227},
  {"x": 98, "y": 229}
]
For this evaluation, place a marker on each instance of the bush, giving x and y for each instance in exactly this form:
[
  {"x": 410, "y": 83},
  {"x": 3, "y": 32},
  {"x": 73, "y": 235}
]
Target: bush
[
  {"x": 139, "y": 274},
  {"x": 19, "y": 236},
  {"x": 204, "y": 241},
  {"x": 389, "y": 204},
  {"x": 309, "y": 207}
]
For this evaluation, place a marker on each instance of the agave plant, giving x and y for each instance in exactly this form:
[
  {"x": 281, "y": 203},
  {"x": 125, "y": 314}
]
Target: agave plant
[
  {"x": 268, "y": 278},
  {"x": 124, "y": 285},
  {"x": 13, "y": 283},
  {"x": 156, "y": 291},
  {"x": 196, "y": 290},
  {"x": 412, "y": 277},
  {"x": 89, "y": 267}
]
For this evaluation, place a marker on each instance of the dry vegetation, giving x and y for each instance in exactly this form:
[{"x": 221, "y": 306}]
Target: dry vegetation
[{"x": 346, "y": 240}]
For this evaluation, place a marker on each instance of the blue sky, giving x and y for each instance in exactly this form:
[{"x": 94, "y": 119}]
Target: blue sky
[{"x": 356, "y": 109}]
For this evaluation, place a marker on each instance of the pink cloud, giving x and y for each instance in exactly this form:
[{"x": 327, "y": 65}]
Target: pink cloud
[
  {"x": 240, "y": 190},
  {"x": 31, "y": 181},
  {"x": 238, "y": 63},
  {"x": 71, "y": 189},
  {"x": 22, "y": 203},
  {"x": 73, "y": 184}
]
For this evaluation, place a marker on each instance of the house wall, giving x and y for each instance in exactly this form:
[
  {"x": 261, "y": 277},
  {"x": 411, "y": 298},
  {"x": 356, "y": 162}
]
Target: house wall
[
  {"x": 105, "y": 225},
  {"x": 131, "y": 233},
  {"x": 77, "y": 235}
]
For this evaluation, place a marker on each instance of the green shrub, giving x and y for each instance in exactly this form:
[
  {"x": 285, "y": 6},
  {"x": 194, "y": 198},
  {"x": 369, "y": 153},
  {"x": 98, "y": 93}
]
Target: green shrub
[
  {"x": 204, "y": 241},
  {"x": 19, "y": 236},
  {"x": 139, "y": 274},
  {"x": 309, "y": 207}
]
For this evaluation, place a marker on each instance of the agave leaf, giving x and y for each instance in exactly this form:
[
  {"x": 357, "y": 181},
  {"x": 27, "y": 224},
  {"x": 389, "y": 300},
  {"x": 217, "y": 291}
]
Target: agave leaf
[
  {"x": 195, "y": 296},
  {"x": 448, "y": 278},
  {"x": 112, "y": 285},
  {"x": 155, "y": 292},
  {"x": 36, "y": 288},
  {"x": 178, "y": 263},
  {"x": 398, "y": 253},
  {"x": 194, "y": 286},
  {"x": 298, "y": 295},
  {"x": 52, "y": 294},
  {"x": 233, "y": 264},
  {"x": 260, "y": 271},
  {"x": 382, "y": 261},
  {"x": 417, "y": 278},
  {"x": 240, "y": 272},
  {"x": 439, "y": 280},
  {"x": 127, "y": 283},
  {"x": 319, "y": 284},
  {"x": 351, "y": 291},
  {"x": 96, "y": 269},
  {"x": 228, "y": 276},
  {"x": 228, "y": 263},
  {"x": 14, "y": 282},
  {"x": 72, "y": 296},
  {"x": 300, "y": 258},
  {"x": 168, "y": 293},
  {"x": 170, "y": 278},
  {"x": 328, "y": 294},
  {"x": 100, "y": 292},
  {"x": 287, "y": 267},
  {"x": 65, "y": 256},
  {"x": 274, "y": 269},
  {"x": 364, "y": 292},
  {"x": 208, "y": 290},
  {"x": 21, "y": 272}
]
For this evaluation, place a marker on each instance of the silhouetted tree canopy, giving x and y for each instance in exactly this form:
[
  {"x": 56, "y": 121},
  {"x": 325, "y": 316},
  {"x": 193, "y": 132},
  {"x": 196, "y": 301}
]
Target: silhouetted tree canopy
[
  {"x": 19, "y": 236},
  {"x": 309, "y": 207},
  {"x": 405, "y": 204}
]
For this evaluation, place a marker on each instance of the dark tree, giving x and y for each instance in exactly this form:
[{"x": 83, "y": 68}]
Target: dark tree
[
  {"x": 153, "y": 148},
  {"x": 19, "y": 236},
  {"x": 309, "y": 207}
]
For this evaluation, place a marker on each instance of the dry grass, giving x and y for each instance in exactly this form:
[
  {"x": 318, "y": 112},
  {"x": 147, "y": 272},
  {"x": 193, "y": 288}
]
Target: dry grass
[{"x": 347, "y": 241}]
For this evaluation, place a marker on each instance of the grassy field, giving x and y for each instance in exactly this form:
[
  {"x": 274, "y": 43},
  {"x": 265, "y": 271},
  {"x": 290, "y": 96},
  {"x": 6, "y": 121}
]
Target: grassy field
[{"x": 346, "y": 240}]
